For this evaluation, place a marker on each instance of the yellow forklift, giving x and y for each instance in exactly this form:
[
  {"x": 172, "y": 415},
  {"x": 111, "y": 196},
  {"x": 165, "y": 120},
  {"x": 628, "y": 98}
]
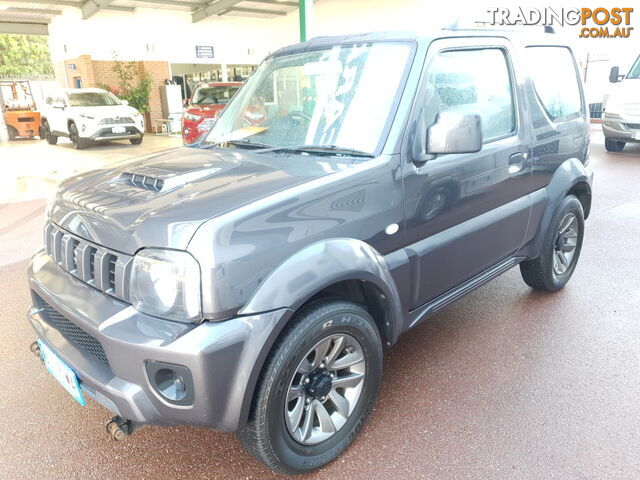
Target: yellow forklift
[{"x": 19, "y": 109}]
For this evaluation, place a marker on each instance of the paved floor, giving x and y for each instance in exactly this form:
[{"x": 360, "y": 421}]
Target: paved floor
[
  {"x": 506, "y": 384},
  {"x": 31, "y": 171}
]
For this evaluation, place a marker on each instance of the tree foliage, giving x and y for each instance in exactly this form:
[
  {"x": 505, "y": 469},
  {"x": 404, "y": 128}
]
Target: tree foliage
[
  {"x": 133, "y": 85},
  {"x": 24, "y": 56}
]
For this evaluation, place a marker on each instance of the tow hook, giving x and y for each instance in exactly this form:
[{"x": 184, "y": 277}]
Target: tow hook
[
  {"x": 120, "y": 428},
  {"x": 35, "y": 349}
]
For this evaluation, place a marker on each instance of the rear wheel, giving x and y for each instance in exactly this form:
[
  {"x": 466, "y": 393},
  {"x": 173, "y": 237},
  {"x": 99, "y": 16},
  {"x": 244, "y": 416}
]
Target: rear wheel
[
  {"x": 13, "y": 133},
  {"x": 613, "y": 145},
  {"x": 561, "y": 249},
  {"x": 317, "y": 388},
  {"x": 78, "y": 142},
  {"x": 46, "y": 132}
]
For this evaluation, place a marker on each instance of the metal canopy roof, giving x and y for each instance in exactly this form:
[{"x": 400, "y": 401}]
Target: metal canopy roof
[{"x": 32, "y": 16}]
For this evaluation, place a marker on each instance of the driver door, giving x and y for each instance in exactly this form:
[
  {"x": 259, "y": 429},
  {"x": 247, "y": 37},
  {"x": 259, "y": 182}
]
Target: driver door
[{"x": 466, "y": 212}]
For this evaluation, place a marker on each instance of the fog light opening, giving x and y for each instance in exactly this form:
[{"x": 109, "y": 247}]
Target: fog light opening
[{"x": 171, "y": 385}]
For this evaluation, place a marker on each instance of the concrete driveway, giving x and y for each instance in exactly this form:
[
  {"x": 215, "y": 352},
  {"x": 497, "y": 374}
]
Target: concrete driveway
[{"x": 505, "y": 384}]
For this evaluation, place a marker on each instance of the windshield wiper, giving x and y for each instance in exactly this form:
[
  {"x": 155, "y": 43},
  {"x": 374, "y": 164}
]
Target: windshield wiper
[
  {"x": 241, "y": 144},
  {"x": 246, "y": 144},
  {"x": 320, "y": 149}
]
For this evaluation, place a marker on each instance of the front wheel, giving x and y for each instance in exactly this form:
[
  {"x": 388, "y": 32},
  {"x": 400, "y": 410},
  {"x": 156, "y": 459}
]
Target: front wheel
[
  {"x": 79, "y": 143},
  {"x": 136, "y": 141},
  {"x": 317, "y": 388},
  {"x": 613, "y": 145},
  {"x": 46, "y": 133},
  {"x": 560, "y": 251}
]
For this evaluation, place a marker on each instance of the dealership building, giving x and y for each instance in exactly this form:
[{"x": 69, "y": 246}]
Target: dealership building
[
  {"x": 186, "y": 41},
  {"x": 191, "y": 41}
]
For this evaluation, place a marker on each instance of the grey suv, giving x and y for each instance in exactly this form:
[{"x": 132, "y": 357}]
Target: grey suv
[{"x": 354, "y": 186}]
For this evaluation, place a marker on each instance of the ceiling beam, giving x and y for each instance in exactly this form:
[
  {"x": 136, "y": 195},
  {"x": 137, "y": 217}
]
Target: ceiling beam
[
  {"x": 256, "y": 10},
  {"x": 23, "y": 28},
  {"x": 119, "y": 9},
  {"x": 9, "y": 18},
  {"x": 91, "y": 7},
  {"x": 174, "y": 3},
  {"x": 67, "y": 3},
  {"x": 213, "y": 9},
  {"x": 57, "y": 3},
  {"x": 32, "y": 10},
  {"x": 274, "y": 2}
]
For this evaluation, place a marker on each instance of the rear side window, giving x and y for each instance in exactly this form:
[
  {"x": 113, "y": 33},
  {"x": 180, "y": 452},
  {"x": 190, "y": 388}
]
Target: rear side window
[
  {"x": 556, "y": 81},
  {"x": 472, "y": 81}
]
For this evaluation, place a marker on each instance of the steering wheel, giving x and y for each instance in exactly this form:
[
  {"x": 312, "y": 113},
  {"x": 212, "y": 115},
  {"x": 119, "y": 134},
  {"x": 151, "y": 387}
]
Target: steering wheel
[{"x": 299, "y": 116}]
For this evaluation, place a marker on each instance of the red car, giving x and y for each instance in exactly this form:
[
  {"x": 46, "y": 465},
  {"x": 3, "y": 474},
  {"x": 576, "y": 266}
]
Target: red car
[{"x": 205, "y": 104}]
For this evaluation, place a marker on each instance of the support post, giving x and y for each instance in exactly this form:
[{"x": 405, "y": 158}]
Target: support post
[{"x": 306, "y": 18}]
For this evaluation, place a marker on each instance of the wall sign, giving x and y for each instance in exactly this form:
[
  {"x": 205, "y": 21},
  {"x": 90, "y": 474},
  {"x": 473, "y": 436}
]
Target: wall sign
[{"x": 204, "y": 51}]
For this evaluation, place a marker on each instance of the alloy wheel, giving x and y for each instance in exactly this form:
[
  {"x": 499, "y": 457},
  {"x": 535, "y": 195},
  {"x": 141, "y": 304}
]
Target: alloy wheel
[
  {"x": 565, "y": 244},
  {"x": 325, "y": 389}
]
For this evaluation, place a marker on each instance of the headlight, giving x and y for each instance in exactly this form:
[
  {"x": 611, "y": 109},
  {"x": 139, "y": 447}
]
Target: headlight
[
  {"x": 192, "y": 116},
  {"x": 166, "y": 283}
]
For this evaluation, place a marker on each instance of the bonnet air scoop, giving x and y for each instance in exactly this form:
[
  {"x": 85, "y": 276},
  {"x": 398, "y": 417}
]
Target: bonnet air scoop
[
  {"x": 141, "y": 181},
  {"x": 162, "y": 182}
]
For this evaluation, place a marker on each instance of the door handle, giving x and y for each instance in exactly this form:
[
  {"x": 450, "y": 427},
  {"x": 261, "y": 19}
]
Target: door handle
[
  {"x": 517, "y": 158},
  {"x": 516, "y": 161}
]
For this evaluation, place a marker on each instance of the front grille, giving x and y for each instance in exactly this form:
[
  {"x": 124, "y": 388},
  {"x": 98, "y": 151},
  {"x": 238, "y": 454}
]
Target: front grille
[
  {"x": 103, "y": 269},
  {"x": 632, "y": 108},
  {"x": 26, "y": 119},
  {"x": 115, "y": 121},
  {"x": 140, "y": 181},
  {"x": 632, "y": 126},
  {"x": 70, "y": 331}
]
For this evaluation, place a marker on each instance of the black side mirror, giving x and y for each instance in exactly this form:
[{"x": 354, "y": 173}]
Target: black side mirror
[
  {"x": 455, "y": 133},
  {"x": 614, "y": 75}
]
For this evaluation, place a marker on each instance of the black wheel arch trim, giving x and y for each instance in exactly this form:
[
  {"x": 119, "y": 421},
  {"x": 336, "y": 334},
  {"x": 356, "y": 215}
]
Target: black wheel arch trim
[{"x": 571, "y": 177}]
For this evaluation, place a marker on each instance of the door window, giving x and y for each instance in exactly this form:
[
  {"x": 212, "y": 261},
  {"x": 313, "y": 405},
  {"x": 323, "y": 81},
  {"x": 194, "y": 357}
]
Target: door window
[
  {"x": 556, "y": 81},
  {"x": 472, "y": 81}
]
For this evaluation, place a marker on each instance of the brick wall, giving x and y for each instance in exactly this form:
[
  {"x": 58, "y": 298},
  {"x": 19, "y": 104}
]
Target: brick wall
[
  {"x": 96, "y": 73},
  {"x": 104, "y": 74},
  {"x": 83, "y": 69},
  {"x": 159, "y": 72}
]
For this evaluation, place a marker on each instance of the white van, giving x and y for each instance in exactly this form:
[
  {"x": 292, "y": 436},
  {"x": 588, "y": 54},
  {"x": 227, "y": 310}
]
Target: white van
[{"x": 621, "y": 123}]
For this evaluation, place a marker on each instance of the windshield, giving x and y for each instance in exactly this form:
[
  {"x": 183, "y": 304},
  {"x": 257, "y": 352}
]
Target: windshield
[
  {"x": 213, "y": 95},
  {"x": 635, "y": 70},
  {"x": 93, "y": 99},
  {"x": 340, "y": 96}
]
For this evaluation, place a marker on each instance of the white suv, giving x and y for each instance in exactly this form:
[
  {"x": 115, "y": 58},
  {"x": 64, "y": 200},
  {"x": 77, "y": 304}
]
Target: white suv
[{"x": 88, "y": 115}]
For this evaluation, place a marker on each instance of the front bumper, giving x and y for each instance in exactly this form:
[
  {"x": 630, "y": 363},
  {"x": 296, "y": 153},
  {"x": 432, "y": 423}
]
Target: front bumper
[
  {"x": 621, "y": 129},
  {"x": 224, "y": 358},
  {"x": 106, "y": 133}
]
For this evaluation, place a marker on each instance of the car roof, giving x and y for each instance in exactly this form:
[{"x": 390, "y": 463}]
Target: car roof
[
  {"x": 524, "y": 36},
  {"x": 219, "y": 84},
  {"x": 84, "y": 90}
]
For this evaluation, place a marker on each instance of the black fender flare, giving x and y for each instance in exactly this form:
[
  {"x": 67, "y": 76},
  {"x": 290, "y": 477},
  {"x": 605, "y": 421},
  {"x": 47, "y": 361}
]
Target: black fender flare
[
  {"x": 319, "y": 265},
  {"x": 570, "y": 174},
  {"x": 308, "y": 272}
]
